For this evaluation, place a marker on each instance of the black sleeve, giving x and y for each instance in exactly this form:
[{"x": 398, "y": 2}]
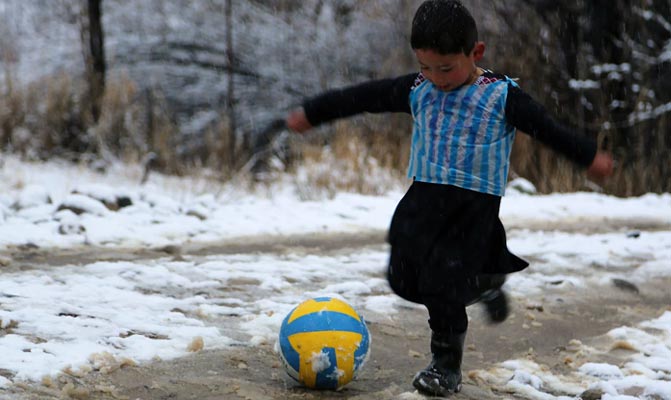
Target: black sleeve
[
  {"x": 529, "y": 116},
  {"x": 385, "y": 95}
]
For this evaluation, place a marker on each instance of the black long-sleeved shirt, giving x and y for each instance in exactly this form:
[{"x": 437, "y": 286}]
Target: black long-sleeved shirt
[{"x": 392, "y": 95}]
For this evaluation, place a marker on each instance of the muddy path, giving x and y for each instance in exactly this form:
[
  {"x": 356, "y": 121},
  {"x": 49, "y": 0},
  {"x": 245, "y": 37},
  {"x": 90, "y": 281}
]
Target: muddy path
[
  {"x": 31, "y": 256},
  {"x": 541, "y": 328},
  {"x": 26, "y": 257}
]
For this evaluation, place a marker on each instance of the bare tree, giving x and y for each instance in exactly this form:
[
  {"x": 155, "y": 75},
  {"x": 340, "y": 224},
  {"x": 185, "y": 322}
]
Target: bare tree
[
  {"x": 230, "y": 95},
  {"x": 93, "y": 46}
]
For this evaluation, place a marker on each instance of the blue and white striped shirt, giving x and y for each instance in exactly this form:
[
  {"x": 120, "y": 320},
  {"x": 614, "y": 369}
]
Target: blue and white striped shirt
[{"x": 461, "y": 137}]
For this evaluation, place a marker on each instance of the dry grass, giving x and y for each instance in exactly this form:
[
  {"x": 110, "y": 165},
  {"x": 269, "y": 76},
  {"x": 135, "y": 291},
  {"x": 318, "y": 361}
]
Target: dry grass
[
  {"x": 134, "y": 124},
  {"x": 219, "y": 142},
  {"x": 47, "y": 118},
  {"x": 354, "y": 157},
  {"x": 638, "y": 169},
  {"x": 366, "y": 155}
]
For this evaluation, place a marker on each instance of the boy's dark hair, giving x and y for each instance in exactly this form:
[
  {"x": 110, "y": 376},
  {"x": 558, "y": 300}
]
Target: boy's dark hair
[{"x": 444, "y": 26}]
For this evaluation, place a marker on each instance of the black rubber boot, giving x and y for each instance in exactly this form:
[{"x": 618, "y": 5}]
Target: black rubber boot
[
  {"x": 443, "y": 375},
  {"x": 496, "y": 304}
]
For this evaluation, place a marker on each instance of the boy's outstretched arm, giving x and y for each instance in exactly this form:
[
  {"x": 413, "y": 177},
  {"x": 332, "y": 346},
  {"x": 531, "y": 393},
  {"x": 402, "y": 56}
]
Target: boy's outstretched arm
[
  {"x": 529, "y": 116},
  {"x": 385, "y": 95}
]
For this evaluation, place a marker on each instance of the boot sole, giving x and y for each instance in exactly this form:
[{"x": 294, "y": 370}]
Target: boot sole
[{"x": 431, "y": 387}]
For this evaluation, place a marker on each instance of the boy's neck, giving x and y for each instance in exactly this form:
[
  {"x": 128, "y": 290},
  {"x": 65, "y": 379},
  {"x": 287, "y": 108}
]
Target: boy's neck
[{"x": 475, "y": 75}]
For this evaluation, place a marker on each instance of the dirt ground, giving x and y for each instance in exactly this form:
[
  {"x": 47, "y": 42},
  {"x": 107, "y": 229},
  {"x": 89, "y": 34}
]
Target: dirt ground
[{"x": 540, "y": 329}]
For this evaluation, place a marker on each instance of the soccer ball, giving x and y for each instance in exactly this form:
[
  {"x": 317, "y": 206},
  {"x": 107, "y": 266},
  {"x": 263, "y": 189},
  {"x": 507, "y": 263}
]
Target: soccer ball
[{"x": 323, "y": 343}]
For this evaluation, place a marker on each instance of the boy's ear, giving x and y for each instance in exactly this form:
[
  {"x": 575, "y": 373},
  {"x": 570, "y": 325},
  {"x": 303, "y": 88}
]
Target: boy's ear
[{"x": 478, "y": 51}]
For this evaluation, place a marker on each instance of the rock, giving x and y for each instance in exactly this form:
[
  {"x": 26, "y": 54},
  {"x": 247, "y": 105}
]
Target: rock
[
  {"x": 112, "y": 200},
  {"x": 118, "y": 203},
  {"x": 197, "y": 213},
  {"x": 171, "y": 249},
  {"x": 124, "y": 201},
  {"x": 28, "y": 246},
  {"x": 80, "y": 204},
  {"x": 196, "y": 345},
  {"x": 67, "y": 228},
  {"x": 415, "y": 354},
  {"x": 5, "y": 261},
  {"x": 535, "y": 307},
  {"x": 625, "y": 285},
  {"x": 623, "y": 345},
  {"x": 592, "y": 394}
]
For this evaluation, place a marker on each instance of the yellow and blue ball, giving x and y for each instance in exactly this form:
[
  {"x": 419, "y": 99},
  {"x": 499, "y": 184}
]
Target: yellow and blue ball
[{"x": 323, "y": 343}]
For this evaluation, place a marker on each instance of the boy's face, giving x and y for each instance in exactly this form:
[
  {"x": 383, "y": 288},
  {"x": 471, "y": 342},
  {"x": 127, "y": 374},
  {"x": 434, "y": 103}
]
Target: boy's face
[{"x": 450, "y": 71}]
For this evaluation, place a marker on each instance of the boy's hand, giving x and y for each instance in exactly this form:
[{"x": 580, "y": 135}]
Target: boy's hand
[
  {"x": 601, "y": 167},
  {"x": 297, "y": 121}
]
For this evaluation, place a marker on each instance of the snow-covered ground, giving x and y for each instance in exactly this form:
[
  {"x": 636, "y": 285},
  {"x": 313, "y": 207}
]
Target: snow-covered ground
[{"x": 107, "y": 313}]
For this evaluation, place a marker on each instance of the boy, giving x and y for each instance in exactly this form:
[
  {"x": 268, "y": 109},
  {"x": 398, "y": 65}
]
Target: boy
[{"x": 448, "y": 246}]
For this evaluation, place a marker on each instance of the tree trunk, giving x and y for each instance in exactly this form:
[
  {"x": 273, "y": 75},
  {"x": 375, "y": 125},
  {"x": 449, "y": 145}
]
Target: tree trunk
[
  {"x": 230, "y": 95},
  {"x": 94, "y": 54}
]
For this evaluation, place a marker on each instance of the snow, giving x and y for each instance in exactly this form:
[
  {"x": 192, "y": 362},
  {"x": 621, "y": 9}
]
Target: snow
[
  {"x": 119, "y": 312},
  {"x": 600, "y": 370},
  {"x": 609, "y": 68},
  {"x": 99, "y": 309},
  {"x": 320, "y": 362},
  {"x": 576, "y": 84}
]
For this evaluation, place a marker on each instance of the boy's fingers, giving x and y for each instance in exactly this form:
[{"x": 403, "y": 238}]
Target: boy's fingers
[
  {"x": 601, "y": 168},
  {"x": 297, "y": 121}
]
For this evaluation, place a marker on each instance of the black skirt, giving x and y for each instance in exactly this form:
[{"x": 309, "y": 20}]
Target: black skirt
[{"x": 447, "y": 244}]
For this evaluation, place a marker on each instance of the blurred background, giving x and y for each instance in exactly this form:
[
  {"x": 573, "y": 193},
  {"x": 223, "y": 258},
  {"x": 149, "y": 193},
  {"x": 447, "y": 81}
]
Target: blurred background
[{"x": 188, "y": 85}]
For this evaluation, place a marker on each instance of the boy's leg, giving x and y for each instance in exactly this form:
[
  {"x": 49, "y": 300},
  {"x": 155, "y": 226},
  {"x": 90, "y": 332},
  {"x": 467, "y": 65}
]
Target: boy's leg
[
  {"x": 448, "y": 322},
  {"x": 491, "y": 294},
  {"x": 406, "y": 250},
  {"x": 496, "y": 304},
  {"x": 402, "y": 274}
]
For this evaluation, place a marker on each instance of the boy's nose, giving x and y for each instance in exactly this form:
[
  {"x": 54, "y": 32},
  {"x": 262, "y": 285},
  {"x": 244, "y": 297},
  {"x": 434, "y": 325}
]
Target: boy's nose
[{"x": 438, "y": 81}]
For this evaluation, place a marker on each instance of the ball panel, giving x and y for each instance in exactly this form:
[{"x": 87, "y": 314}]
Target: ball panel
[
  {"x": 322, "y": 304},
  {"x": 323, "y": 321},
  {"x": 312, "y": 345},
  {"x": 361, "y": 353},
  {"x": 328, "y": 378},
  {"x": 290, "y": 357}
]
